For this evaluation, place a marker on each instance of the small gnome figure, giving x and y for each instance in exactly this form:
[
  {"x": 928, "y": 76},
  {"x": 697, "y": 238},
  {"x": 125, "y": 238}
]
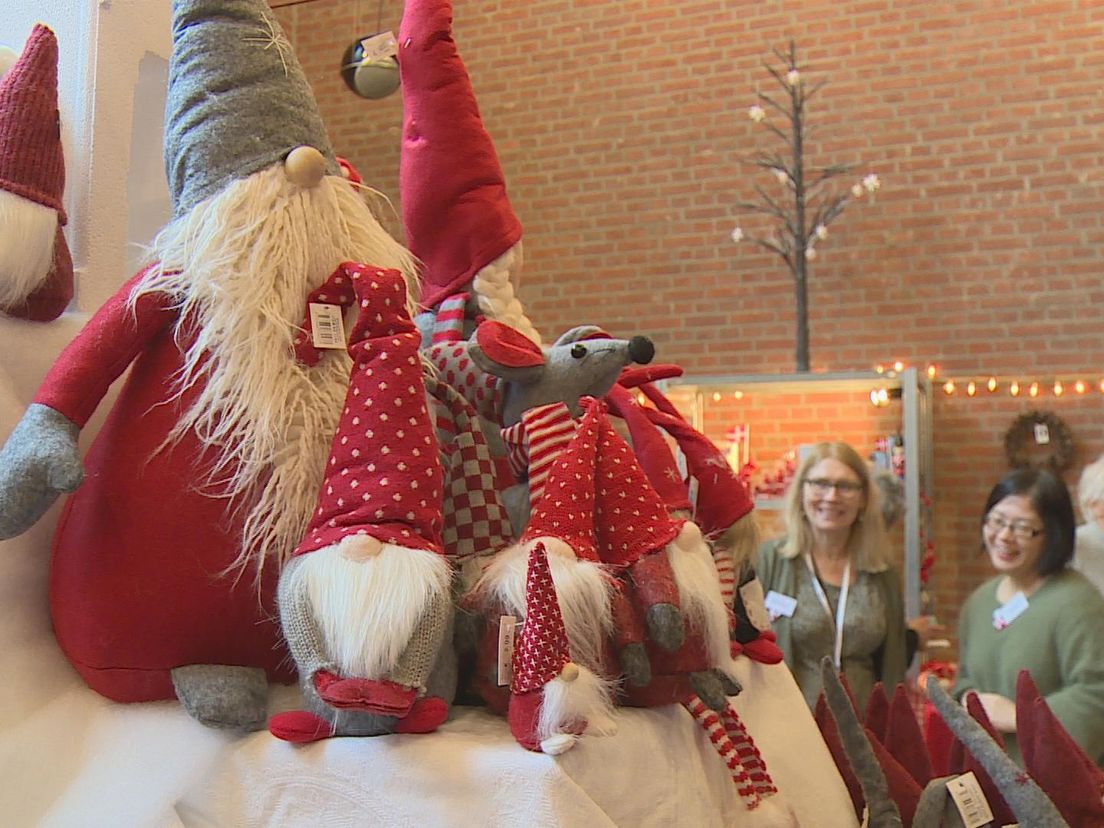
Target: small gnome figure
[
  {"x": 552, "y": 698},
  {"x": 36, "y": 269},
  {"x": 563, "y": 525},
  {"x": 365, "y": 600}
]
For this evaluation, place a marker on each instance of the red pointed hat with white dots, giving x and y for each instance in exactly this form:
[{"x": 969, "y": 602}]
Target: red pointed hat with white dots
[
  {"x": 384, "y": 477},
  {"x": 631, "y": 517},
  {"x": 566, "y": 508},
  {"x": 542, "y": 649}
]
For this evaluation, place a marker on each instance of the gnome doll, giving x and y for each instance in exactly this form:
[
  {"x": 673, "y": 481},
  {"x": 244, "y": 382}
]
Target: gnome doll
[
  {"x": 456, "y": 215},
  {"x": 563, "y": 524},
  {"x": 206, "y": 471},
  {"x": 552, "y": 698},
  {"x": 36, "y": 270},
  {"x": 723, "y": 509},
  {"x": 365, "y": 600}
]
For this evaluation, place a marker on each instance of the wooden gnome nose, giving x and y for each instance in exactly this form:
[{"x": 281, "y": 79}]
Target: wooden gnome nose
[
  {"x": 570, "y": 671},
  {"x": 304, "y": 166}
]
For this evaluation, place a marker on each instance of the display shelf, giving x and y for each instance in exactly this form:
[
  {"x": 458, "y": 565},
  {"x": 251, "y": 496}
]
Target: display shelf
[{"x": 792, "y": 409}]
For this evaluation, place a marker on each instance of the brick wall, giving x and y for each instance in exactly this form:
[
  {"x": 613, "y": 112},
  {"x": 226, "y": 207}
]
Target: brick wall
[{"x": 621, "y": 127}]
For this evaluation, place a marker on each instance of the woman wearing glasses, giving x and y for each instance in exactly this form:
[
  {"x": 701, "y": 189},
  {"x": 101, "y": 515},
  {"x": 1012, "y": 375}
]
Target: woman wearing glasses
[
  {"x": 829, "y": 588},
  {"x": 1036, "y": 614}
]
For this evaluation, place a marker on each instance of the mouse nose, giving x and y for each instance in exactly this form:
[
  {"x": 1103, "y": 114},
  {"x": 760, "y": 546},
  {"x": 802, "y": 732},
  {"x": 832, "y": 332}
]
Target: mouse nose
[{"x": 641, "y": 349}]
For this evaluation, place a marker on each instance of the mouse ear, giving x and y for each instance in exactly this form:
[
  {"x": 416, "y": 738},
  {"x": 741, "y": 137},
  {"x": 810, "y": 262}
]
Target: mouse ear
[{"x": 507, "y": 346}]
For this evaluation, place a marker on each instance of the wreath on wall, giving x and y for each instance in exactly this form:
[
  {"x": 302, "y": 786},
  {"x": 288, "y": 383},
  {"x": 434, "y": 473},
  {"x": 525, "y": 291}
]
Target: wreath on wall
[{"x": 1039, "y": 439}]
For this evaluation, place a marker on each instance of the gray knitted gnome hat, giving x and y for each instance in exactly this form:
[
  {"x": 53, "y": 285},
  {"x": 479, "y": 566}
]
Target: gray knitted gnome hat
[{"x": 238, "y": 100}]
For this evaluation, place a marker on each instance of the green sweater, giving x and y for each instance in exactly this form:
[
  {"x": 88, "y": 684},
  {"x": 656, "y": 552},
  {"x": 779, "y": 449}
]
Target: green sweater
[
  {"x": 873, "y": 649},
  {"x": 1059, "y": 638}
]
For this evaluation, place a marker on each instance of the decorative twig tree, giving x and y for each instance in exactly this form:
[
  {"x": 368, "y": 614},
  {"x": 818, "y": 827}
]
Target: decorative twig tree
[{"x": 804, "y": 221}]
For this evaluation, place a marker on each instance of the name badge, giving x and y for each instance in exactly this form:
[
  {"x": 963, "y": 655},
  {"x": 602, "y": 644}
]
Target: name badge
[
  {"x": 779, "y": 605},
  {"x": 1006, "y": 613}
]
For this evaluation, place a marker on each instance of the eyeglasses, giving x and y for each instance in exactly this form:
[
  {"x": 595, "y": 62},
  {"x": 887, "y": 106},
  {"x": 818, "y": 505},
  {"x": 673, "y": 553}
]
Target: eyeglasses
[
  {"x": 820, "y": 486},
  {"x": 1021, "y": 529}
]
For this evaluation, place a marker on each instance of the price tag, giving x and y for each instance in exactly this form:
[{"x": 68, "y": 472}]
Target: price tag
[
  {"x": 507, "y": 631},
  {"x": 970, "y": 801},
  {"x": 1006, "y": 613},
  {"x": 778, "y": 605},
  {"x": 379, "y": 47},
  {"x": 1042, "y": 434},
  {"x": 327, "y": 326}
]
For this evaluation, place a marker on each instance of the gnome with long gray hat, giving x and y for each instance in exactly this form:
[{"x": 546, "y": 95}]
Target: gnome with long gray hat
[{"x": 205, "y": 474}]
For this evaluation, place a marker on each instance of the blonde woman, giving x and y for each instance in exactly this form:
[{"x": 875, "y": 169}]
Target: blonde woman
[{"x": 829, "y": 588}]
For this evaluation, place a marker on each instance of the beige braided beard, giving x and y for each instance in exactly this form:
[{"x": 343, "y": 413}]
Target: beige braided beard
[{"x": 239, "y": 267}]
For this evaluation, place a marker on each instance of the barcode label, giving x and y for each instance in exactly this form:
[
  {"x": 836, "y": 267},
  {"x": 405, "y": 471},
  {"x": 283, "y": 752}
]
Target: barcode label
[
  {"x": 507, "y": 627},
  {"x": 970, "y": 801},
  {"x": 327, "y": 326}
]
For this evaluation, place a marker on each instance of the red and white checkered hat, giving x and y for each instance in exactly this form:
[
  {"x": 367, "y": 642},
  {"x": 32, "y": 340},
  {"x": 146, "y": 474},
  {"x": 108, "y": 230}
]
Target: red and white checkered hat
[
  {"x": 455, "y": 211},
  {"x": 567, "y": 509},
  {"x": 384, "y": 476},
  {"x": 542, "y": 648}
]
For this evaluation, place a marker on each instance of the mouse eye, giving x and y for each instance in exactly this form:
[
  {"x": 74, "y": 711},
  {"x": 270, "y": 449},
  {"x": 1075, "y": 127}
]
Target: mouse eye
[{"x": 578, "y": 350}]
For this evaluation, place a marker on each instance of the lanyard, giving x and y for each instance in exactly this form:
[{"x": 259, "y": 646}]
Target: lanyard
[{"x": 841, "y": 607}]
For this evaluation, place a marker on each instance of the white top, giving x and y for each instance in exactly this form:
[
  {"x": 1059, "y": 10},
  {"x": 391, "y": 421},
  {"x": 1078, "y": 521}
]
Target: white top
[{"x": 1088, "y": 555}]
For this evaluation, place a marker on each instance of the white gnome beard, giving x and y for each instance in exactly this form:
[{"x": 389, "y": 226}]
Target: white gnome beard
[
  {"x": 582, "y": 590},
  {"x": 239, "y": 267},
  {"x": 568, "y": 704},
  {"x": 27, "y": 254}
]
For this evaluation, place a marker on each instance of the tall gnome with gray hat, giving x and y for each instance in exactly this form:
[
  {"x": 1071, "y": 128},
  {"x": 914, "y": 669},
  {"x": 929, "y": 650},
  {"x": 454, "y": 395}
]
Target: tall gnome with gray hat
[{"x": 205, "y": 473}]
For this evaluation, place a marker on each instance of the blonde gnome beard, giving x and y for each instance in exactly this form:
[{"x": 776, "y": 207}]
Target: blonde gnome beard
[
  {"x": 27, "y": 255},
  {"x": 238, "y": 268}
]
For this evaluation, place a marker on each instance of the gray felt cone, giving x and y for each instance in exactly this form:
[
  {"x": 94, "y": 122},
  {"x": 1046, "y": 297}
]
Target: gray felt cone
[{"x": 238, "y": 100}]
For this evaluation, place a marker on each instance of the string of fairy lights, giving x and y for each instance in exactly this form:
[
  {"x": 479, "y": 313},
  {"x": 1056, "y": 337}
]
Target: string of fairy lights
[{"x": 1012, "y": 385}]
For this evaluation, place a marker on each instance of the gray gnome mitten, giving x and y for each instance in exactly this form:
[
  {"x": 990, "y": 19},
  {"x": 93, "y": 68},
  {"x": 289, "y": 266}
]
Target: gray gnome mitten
[{"x": 39, "y": 461}]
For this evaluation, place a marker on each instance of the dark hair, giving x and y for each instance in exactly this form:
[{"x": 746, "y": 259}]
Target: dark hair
[{"x": 1051, "y": 500}]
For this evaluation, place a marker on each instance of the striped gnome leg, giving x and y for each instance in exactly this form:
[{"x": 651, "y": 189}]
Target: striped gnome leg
[{"x": 370, "y": 572}]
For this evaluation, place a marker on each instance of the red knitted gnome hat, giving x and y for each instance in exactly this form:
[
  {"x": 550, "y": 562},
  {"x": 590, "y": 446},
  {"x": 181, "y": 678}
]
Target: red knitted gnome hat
[
  {"x": 721, "y": 499},
  {"x": 31, "y": 162},
  {"x": 542, "y": 648},
  {"x": 384, "y": 476},
  {"x": 651, "y": 450},
  {"x": 632, "y": 519},
  {"x": 1063, "y": 770},
  {"x": 566, "y": 509},
  {"x": 454, "y": 207}
]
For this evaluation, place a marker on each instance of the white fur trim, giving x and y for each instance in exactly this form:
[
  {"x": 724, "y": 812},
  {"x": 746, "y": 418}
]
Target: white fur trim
[
  {"x": 27, "y": 251},
  {"x": 240, "y": 265},
  {"x": 367, "y": 609},
  {"x": 582, "y": 588},
  {"x": 700, "y": 593},
  {"x": 567, "y": 704}
]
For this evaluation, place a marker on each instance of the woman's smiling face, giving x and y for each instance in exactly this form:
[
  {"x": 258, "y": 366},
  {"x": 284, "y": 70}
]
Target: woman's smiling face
[
  {"x": 832, "y": 495},
  {"x": 1014, "y": 537}
]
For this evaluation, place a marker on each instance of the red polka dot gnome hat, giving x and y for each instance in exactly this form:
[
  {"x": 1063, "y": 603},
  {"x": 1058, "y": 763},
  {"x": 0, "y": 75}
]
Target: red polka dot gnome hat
[
  {"x": 32, "y": 171},
  {"x": 455, "y": 211},
  {"x": 384, "y": 476},
  {"x": 651, "y": 450},
  {"x": 632, "y": 519},
  {"x": 566, "y": 510},
  {"x": 542, "y": 649}
]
